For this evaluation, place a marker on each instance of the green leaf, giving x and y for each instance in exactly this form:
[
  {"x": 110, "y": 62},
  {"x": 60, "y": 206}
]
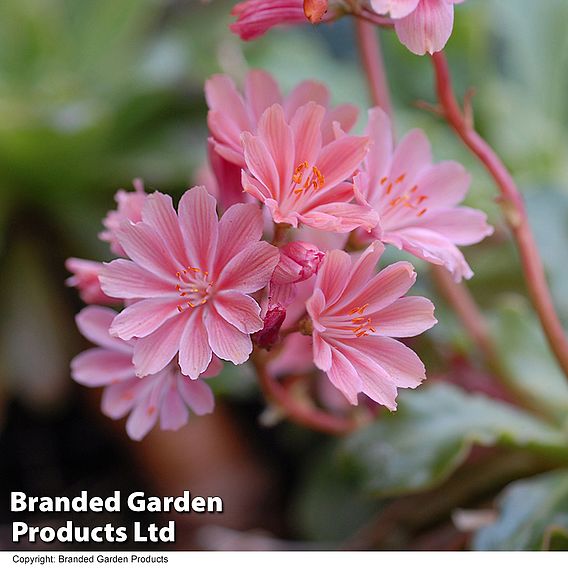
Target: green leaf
[
  {"x": 527, "y": 357},
  {"x": 533, "y": 516},
  {"x": 432, "y": 433}
]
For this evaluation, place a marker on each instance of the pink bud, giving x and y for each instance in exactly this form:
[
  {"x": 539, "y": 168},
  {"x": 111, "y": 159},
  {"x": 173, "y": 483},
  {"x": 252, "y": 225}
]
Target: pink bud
[
  {"x": 86, "y": 279},
  {"x": 273, "y": 320},
  {"x": 298, "y": 262}
]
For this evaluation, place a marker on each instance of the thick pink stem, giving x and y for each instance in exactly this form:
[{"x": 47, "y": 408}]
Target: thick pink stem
[{"x": 513, "y": 207}]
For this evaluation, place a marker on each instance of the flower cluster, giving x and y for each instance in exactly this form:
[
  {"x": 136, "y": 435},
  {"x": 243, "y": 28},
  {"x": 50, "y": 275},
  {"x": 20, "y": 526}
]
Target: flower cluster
[{"x": 287, "y": 273}]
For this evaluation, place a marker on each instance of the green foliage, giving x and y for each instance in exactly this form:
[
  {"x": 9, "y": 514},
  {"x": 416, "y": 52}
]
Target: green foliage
[
  {"x": 432, "y": 433},
  {"x": 533, "y": 515}
]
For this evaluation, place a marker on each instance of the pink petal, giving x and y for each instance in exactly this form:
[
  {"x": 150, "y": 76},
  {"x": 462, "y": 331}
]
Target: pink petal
[
  {"x": 173, "y": 411},
  {"x": 345, "y": 115},
  {"x": 241, "y": 225},
  {"x": 383, "y": 289},
  {"x": 261, "y": 165},
  {"x": 306, "y": 126},
  {"x": 412, "y": 154},
  {"x": 306, "y": 92},
  {"x": 239, "y": 310},
  {"x": 406, "y": 317},
  {"x": 435, "y": 248},
  {"x": 365, "y": 266},
  {"x": 250, "y": 270},
  {"x": 349, "y": 216},
  {"x": 460, "y": 225},
  {"x": 197, "y": 395},
  {"x": 279, "y": 141},
  {"x": 159, "y": 213},
  {"x": 395, "y": 8},
  {"x": 99, "y": 367},
  {"x": 143, "y": 245},
  {"x": 261, "y": 91},
  {"x": 94, "y": 323},
  {"x": 395, "y": 358},
  {"x": 153, "y": 353},
  {"x": 222, "y": 97},
  {"x": 125, "y": 279},
  {"x": 333, "y": 275},
  {"x": 322, "y": 353},
  {"x": 227, "y": 341},
  {"x": 142, "y": 419},
  {"x": 428, "y": 28},
  {"x": 344, "y": 377},
  {"x": 199, "y": 226},
  {"x": 215, "y": 368},
  {"x": 315, "y": 305},
  {"x": 338, "y": 160},
  {"x": 445, "y": 184},
  {"x": 376, "y": 382},
  {"x": 118, "y": 399},
  {"x": 194, "y": 350},
  {"x": 144, "y": 317}
]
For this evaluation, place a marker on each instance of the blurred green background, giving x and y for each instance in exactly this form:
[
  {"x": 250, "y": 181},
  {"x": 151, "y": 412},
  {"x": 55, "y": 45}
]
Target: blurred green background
[{"x": 94, "y": 93}]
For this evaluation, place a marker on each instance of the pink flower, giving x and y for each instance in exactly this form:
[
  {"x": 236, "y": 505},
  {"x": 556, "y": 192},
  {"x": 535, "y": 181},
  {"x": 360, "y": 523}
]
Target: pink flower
[
  {"x": 355, "y": 314},
  {"x": 86, "y": 279},
  {"x": 417, "y": 200},
  {"x": 300, "y": 178},
  {"x": 230, "y": 113},
  {"x": 423, "y": 26},
  {"x": 256, "y": 17},
  {"x": 165, "y": 395},
  {"x": 192, "y": 276},
  {"x": 129, "y": 208}
]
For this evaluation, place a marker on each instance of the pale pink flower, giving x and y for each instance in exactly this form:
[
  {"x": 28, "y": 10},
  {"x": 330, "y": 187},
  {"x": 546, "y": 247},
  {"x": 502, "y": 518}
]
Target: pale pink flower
[
  {"x": 301, "y": 179},
  {"x": 423, "y": 26},
  {"x": 191, "y": 276},
  {"x": 231, "y": 113},
  {"x": 355, "y": 315},
  {"x": 129, "y": 208},
  {"x": 166, "y": 395},
  {"x": 256, "y": 17},
  {"x": 86, "y": 279},
  {"x": 417, "y": 200}
]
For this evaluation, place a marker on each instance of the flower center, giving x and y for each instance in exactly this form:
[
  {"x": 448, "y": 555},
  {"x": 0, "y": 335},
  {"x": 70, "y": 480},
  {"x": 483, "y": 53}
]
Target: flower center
[
  {"x": 410, "y": 199},
  {"x": 362, "y": 325},
  {"x": 193, "y": 286},
  {"x": 306, "y": 178}
]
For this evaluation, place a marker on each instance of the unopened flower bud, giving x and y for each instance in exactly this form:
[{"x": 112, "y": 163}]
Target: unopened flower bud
[
  {"x": 273, "y": 320},
  {"x": 298, "y": 262}
]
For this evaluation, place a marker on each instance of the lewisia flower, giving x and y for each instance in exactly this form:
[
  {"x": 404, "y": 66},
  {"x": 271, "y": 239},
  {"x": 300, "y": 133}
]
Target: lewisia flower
[
  {"x": 129, "y": 208},
  {"x": 230, "y": 113},
  {"x": 86, "y": 279},
  {"x": 190, "y": 276},
  {"x": 355, "y": 314},
  {"x": 300, "y": 178},
  {"x": 166, "y": 395},
  {"x": 256, "y": 17},
  {"x": 423, "y": 26},
  {"x": 417, "y": 200}
]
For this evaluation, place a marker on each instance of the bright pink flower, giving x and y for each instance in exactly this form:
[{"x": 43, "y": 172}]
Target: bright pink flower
[
  {"x": 192, "y": 276},
  {"x": 165, "y": 395},
  {"x": 301, "y": 179},
  {"x": 129, "y": 208},
  {"x": 417, "y": 201},
  {"x": 423, "y": 26},
  {"x": 355, "y": 314},
  {"x": 86, "y": 279},
  {"x": 230, "y": 113},
  {"x": 256, "y": 17}
]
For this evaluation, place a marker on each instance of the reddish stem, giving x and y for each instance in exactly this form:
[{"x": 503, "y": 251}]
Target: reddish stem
[
  {"x": 307, "y": 416},
  {"x": 514, "y": 210},
  {"x": 372, "y": 59}
]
